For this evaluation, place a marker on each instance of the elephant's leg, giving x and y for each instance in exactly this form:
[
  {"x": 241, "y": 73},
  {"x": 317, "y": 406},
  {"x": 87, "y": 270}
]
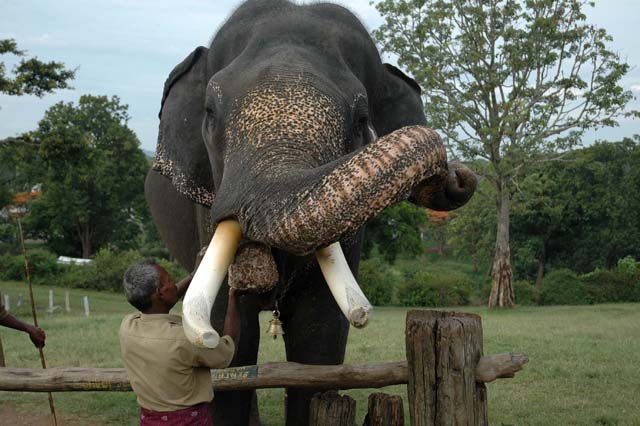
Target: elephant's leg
[
  {"x": 239, "y": 407},
  {"x": 315, "y": 333}
]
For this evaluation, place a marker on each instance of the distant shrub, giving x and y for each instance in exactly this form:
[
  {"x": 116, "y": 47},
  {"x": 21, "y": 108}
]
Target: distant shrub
[
  {"x": 526, "y": 293},
  {"x": 104, "y": 273},
  {"x": 563, "y": 287},
  {"x": 628, "y": 266},
  {"x": 107, "y": 270},
  {"x": 617, "y": 285},
  {"x": 42, "y": 264},
  {"x": 435, "y": 289},
  {"x": 377, "y": 282},
  {"x": 11, "y": 267}
]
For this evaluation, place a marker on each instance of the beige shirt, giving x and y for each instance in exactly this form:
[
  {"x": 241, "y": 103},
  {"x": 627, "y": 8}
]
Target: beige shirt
[
  {"x": 3, "y": 311},
  {"x": 166, "y": 371}
]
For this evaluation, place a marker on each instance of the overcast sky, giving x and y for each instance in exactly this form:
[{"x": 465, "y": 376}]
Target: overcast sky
[{"x": 128, "y": 47}]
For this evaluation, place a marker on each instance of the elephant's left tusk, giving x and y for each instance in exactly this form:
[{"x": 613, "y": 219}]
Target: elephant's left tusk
[
  {"x": 202, "y": 292},
  {"x": 351, "y": 300}
]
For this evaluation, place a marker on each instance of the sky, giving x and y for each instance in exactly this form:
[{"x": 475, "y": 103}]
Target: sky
[{"x": 128, "y": 47}]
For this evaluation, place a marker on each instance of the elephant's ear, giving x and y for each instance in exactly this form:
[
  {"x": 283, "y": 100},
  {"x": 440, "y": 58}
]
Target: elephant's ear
[
  {"x": 400, "y": 104},
  {"x": 180, "y": 153}
]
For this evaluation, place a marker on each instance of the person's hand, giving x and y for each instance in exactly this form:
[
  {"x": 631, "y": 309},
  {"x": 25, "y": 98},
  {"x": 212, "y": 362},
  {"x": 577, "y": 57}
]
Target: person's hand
[{"x": 37, "y": 336}]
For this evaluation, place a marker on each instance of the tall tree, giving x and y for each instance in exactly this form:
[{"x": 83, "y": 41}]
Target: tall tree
[
  {"x": 32, "y": 76},
  {"x": 94, "y": 177},
  {"x": 507, "y": 80}
]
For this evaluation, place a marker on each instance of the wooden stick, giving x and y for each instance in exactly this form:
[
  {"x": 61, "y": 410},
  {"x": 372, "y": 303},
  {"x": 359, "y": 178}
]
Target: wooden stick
[{"x": 33, "y": 313}]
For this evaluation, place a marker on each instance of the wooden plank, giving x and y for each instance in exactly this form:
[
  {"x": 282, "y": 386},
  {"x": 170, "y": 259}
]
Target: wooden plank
[
  {"x": 331, "y": 409},
  {"x": 384, "y": 410},
  {"x": 271, "y": 375}
]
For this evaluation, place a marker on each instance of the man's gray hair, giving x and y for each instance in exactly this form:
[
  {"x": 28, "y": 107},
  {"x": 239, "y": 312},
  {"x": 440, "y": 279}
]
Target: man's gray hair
[{"x": 140, "y": 281}]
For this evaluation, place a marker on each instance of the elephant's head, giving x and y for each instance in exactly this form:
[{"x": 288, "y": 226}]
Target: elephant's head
[{"x": 295, "y": 134}]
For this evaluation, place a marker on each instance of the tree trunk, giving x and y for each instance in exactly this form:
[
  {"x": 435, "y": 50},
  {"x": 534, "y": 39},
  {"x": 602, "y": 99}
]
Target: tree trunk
[
  {"x": 502, "y": 294},
  {"x": 541, "y": 263},
  {"x": 86, "y": 241}
]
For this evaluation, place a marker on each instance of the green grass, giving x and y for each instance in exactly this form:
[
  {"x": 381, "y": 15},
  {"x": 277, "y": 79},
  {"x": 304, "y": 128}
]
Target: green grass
[{"x": 583, "y": 367}]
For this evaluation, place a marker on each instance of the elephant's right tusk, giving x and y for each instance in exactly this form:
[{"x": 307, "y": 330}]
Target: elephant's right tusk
[
  {"x": 350, "y": 298},
  {"x": 202, "y": 292}
]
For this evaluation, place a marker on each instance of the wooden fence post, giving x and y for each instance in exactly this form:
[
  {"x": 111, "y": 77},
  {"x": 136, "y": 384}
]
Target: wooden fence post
[
  {"x": 2, "y": 363},
  {"x": 443, "y": 349},
  {"x": 67, "y": 307},
  {"x": 331, "y": 409},
  {"x": 85, "y": 300},
  {"x": 384, "y": 410}
]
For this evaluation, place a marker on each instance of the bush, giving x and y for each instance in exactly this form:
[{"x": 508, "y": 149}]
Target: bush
[
  {"x": 42, "y": 265},
  {"x": 378, "y": 282},
  {"x": 107, "y": 271},
  {"x": 526, "y": 293},
  {"x": 628, "y": 266},
  {"x": 11, "y": 267},
  {"x": 104, "y": 273},
  {"x": 435, "y": 289},
  {"x": 563, "y": 287},
  {"x": 618, "y": 285}
]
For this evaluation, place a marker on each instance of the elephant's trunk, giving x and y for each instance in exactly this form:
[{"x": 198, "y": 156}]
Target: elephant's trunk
[{"x": 338, "y": 198}]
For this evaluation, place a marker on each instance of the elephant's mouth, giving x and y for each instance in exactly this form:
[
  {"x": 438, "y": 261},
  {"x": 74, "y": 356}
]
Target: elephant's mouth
[{"x": 327, "y": 203}]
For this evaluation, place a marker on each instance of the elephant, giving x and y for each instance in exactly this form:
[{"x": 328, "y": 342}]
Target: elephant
[{"x": 291, "y": 132}]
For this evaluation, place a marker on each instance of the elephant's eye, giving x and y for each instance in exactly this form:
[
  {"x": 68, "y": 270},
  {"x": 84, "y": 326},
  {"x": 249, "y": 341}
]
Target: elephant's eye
[{"x": 361, "y": 133}]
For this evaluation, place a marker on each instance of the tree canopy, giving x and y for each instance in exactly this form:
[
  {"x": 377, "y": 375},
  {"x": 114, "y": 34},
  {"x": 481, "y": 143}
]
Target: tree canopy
[
  {"x": 93, "y": 177},
  {"x": 31, "y": 76},
  {"x": 507, "y": 81}
]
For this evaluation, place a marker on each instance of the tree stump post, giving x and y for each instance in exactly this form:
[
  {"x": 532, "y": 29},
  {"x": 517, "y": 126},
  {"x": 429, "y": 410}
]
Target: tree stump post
[
  {"x": 443, "y": 349},
  {"x": 331, "y": 409},
  {"x": 384, "y": 410}
]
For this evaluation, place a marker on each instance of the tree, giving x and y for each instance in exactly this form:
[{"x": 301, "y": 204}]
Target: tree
[
  {"x": 93, "y": 177},
  {"x": 32, "y": 76},
  {"x": 584, "y": 215},
  {"x": 396, "y": 231},
  {"x": 506, "y": 81}
]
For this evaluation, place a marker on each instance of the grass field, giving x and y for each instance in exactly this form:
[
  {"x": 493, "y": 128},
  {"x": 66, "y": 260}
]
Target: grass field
[{"x": 583, "y": 369}]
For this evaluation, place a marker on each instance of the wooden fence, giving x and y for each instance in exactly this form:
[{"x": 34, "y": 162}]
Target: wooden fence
[{"x": 445, "y": 373}]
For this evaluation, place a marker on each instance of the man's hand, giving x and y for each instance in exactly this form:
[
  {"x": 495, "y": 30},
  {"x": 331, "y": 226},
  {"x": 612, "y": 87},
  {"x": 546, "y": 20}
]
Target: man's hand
[{"x": 37, "y": 336}]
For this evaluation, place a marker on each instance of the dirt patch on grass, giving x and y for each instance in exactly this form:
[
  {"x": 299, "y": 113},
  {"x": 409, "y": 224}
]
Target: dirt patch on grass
[{"x": 22, "y": 416}]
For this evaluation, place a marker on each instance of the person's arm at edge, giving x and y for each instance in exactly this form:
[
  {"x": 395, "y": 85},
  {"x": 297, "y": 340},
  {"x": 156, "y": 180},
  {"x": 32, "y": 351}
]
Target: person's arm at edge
[{"x": 36, "y": 334}]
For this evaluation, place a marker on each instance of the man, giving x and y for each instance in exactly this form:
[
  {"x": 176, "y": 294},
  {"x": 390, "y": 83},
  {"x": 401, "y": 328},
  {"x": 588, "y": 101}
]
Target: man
[
  {"x": 36, "y": 334},
  {"x": 170, "y": 376}
]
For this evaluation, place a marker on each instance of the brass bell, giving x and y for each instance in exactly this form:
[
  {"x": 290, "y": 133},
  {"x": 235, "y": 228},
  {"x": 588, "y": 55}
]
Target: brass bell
[{"x": 275, "y": 325}]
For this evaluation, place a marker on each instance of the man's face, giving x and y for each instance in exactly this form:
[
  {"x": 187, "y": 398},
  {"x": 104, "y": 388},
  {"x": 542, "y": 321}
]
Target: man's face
[{"x": 168, "y": 290}]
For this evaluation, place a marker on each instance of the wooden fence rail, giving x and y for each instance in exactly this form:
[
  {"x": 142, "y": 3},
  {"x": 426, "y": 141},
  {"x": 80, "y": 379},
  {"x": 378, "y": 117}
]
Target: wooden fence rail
[{"x": 270, "y": 375}]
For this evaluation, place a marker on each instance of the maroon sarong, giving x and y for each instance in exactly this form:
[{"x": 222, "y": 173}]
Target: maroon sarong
[{"x": 198, "y": 415}]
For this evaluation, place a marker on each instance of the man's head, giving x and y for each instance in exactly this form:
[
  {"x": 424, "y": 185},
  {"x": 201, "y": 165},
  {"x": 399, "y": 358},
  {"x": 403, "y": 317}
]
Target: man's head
[{"x": 148, "y": 287}]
